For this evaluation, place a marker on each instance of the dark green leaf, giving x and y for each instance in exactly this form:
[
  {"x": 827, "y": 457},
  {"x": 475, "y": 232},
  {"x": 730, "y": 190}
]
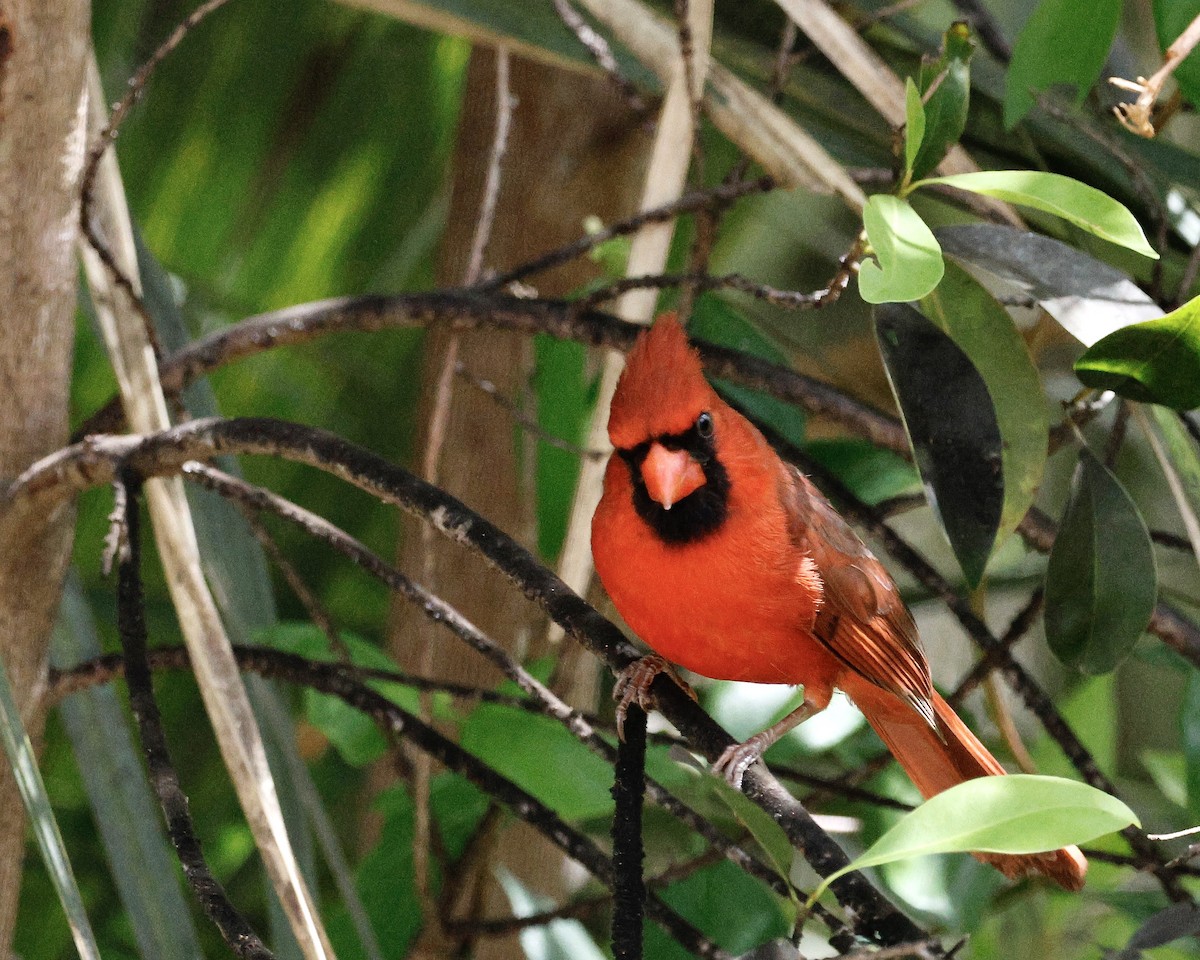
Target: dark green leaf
[
  {"x": 1173, "y": 923},
  {"x": 909, "y": 260},
  {"x": 1101, "y": 583},
  {"x": 1171, "y": 18},
  {"x": 1010, "y": 814},
  {"x": 1157, "y": 361},
  {"x": 914, "y": 126},
  {"x": 962, "y": 308},
  {"x": 945, "y": 112},
  {"x": 1089, "y": 298},
  {"x": 1062, "y": 42},
  {"x": 952, "y": 427},
  {"x": 1086, "y": 207}
]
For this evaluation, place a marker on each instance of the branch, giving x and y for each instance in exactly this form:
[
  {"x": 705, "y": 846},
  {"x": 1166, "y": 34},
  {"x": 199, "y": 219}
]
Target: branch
[
  {"x": 94, "y": 462},
  {"x": 1135, "y": 117},
  {"x": 468, "y": 310},
  {"x": 131, "y": 623}
]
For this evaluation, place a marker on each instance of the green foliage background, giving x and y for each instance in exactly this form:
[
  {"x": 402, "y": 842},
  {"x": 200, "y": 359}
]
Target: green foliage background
[{"x": 283, "y": 156}]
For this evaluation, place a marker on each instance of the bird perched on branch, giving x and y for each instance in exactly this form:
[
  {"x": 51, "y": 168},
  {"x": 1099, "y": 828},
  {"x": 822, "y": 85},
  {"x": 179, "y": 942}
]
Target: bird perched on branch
[{"x": 727, "y": 561}]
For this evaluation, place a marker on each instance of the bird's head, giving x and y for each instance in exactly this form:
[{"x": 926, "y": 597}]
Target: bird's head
[{"x": 665, "y": 423}]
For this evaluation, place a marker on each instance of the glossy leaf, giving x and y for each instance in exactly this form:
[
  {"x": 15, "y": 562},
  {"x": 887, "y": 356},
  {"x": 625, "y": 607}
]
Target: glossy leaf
[
  {"x": 1101, "y": 583},
  {"x": 952, "y": 427},
  {"x": 961, "y": 307},
  {"x": 1088, "y": 298},
  {"x": 908, "y": 260},
  {"x": 1062, "y": 42},
  {"x": 914, "y": 125},
  {"x": 1157, "y": 361},
  {"x": 1010, "y": 814},
  {"x": 945, "y": 111},
  {"x": 1086, "y": 207}
]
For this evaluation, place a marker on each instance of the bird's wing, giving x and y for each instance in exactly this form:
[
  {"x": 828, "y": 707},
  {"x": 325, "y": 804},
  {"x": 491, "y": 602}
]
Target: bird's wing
[{"x": 862, "y": 620}]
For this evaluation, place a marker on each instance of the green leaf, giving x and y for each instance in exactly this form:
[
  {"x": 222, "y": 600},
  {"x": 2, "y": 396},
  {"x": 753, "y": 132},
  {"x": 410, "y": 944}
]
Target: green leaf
[
  {"x": 949, "y": 77},
  {"x": 1086, "y": 207},
  {"x": 951, "y": 424},
  {"x": 1007, "y": 814},
  {"x": 1062, "y": 42},
  {"x": 961, "y": 307},
  {"x": 1156, "y": 361},
  {"x": 1101, "y": 580},
  {"x": 352, "y": 733},
  {"x": 1088, "y": 298},
  {"x": 914, "y": 125},
  {"x": 909, "y": 258},
  {"x": 729, "y": 906},
  {"x": 761, "y": 825},
  {"x": 532, "y": 751},
  {"x": 873, "y": 473},
  {"x": 1171, "y": 18}
]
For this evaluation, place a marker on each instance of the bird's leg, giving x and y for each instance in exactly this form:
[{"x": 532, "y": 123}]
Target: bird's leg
[
  {"x": 733, "y": 763},
  {"x": 633, "y": 686}
]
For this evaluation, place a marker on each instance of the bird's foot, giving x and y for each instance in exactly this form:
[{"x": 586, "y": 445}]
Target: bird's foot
[
  {"x": 633, "y": 686},
  {"x": 733, "y": 763}
]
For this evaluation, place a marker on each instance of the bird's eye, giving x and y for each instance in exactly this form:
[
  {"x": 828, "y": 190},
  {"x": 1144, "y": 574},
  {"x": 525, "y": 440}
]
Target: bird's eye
[{"x": 704, "y": 425}]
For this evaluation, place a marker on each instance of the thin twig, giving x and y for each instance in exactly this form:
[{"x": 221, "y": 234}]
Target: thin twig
[
  {"x": 543, "y": 700},
  {"x": 1135, "y": 117},
  {"x": 1021, "y": 624},
  {"x": 792, "y": 299},
  {"x": 505, "y": 102},
  {"x": 504, "y": 926},
  {"x": 131, "y": 624},
  {"x": 712, "y": 198},
  {"x": 527, "y": 422},
  {"x": 459, "y": 310},
  {"x": 134, "y": 91},
  {"x": 312, "y": 606},
  {"x": 601, "y": 52},
  {"x": 167, "y": 452}
]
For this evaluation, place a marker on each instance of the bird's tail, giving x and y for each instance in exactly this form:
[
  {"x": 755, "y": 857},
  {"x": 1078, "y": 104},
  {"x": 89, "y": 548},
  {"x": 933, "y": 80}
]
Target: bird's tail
[{"x": 935, "y": 764}]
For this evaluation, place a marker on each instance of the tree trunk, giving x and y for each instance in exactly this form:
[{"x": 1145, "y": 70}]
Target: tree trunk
[
  {"x": 575, "y": 149},
  {"x": 43, "y": 57}
]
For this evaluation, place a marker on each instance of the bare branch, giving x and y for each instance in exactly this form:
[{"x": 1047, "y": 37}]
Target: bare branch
[
  {"x": 1135, "y": 117},
  {"x": 95, "y": 461}
]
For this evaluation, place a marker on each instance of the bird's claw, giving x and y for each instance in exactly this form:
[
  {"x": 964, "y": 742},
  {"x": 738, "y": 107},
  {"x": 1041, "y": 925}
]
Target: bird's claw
[
  {"x": 633, "y": 686},
  {"x": 736, "y": 759}
]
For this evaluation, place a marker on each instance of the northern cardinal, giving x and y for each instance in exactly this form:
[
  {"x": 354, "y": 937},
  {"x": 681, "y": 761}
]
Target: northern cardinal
[{"x": 727, "y": 561}]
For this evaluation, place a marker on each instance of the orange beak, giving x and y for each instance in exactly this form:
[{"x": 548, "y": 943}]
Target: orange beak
[{"x": 670, "y": 475}]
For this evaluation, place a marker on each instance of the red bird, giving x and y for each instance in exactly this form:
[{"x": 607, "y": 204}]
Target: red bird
[{"x": 730, "y": 563}]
